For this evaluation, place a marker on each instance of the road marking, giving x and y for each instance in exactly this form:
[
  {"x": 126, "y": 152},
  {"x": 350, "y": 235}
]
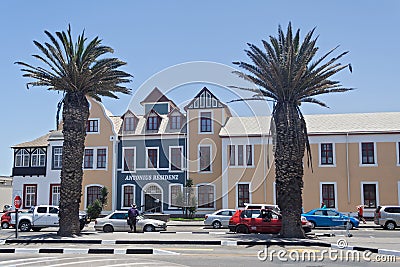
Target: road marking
[
  {"x": 164, "y": 252},
  {"x": 228, "y": 243},
  {"x": 192, "y": 249},
  {"x": 25, "y": 260}
]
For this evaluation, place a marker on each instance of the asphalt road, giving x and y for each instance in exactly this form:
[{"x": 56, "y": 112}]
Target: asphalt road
[{"x": 201, "y": 255}]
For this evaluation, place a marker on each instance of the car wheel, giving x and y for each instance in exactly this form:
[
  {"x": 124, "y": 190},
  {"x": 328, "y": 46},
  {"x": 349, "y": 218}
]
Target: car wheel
[
  {"x": 25, "y": 226},
  {"x": 390, "y": 226},
  {"x": 349, "y": 225},
  {"x": 36, "y": 229},
  {"x": 5, "y": 225},
  {"x": 148, "y": 228},
  {"x": 242, "y": 229},
  {"x": 313, "y": 225},
  {"x": 216, "y": 224},
  {"x": 108, "y": 229}
]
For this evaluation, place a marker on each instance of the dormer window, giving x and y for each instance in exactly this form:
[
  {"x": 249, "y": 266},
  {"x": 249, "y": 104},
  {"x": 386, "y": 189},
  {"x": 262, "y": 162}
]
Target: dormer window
[
  {"x": 153, "y": 122},
  {"x": 175, "y": 122},
  {"x": 22, "y": 158},
  {"x": 129, "y": 124}
]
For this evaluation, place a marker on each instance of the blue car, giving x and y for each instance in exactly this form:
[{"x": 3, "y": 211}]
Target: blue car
[{"x": 329, "y": 218}]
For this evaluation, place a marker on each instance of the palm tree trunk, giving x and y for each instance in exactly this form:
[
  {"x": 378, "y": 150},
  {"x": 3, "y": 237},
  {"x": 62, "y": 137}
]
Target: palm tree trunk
[
  {"x": 75, "y": 116},
  {"x": 289, "y": 152}
]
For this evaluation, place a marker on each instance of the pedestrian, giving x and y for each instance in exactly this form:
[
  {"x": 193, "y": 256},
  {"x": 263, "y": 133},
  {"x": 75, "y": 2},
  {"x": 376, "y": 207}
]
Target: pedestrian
[
  {"x": 360, "y": 213},
  {"x": 323, "y": 206},
  {"x": 132, "y": 214}
]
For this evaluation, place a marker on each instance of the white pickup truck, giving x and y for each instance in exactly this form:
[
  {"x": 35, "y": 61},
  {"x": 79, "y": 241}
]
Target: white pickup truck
[{"x": 42, "y": 216}]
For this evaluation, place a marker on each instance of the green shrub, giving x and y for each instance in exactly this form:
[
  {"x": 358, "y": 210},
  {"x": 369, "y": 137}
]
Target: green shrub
[{"x": 94, "y": 210}]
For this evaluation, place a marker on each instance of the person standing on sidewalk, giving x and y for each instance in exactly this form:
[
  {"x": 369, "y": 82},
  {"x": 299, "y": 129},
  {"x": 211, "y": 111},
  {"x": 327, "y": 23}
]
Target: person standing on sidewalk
[
  {"x": 360, "y": 213},
  {"x": 132, "y": 214}
]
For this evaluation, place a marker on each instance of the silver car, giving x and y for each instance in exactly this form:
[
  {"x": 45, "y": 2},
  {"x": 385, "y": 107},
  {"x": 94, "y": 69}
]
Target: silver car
[
  {"x": 219, "y": 219},
  {"x": 387, "y": 216},
  {"x": 117, "y": 222}
]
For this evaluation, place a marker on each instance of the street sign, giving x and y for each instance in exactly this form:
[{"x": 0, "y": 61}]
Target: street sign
[{"x": 17, "y": 202}]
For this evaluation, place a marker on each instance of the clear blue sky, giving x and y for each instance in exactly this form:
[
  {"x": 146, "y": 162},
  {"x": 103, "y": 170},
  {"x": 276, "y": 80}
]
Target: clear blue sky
[{"x": 154, "y": 35}]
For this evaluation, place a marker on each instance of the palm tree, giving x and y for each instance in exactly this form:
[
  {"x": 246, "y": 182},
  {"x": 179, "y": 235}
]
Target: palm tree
[
  {"x": 78, "y": 71},
  {"x": 286, "y": 74}
]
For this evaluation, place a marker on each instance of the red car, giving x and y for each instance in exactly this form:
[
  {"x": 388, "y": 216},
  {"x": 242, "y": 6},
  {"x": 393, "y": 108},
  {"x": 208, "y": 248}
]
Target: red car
[
  {"x": 260, "y": 221},
  {"x": 6, "y": 220}
]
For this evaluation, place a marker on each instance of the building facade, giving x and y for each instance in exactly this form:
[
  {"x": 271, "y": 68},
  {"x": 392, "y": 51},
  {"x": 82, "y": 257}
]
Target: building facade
[
  {"x": 38, "y": 163},
  {"x": 152, "y": 151}
]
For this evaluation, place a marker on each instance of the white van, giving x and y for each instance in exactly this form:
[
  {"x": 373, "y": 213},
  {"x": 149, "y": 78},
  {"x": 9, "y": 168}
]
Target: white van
[{"x": 252, "y": 206}]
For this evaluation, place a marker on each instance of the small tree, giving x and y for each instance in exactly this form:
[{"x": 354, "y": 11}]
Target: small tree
[
  {"x": 104, "y": 197},
  {"x": 94, "y": 210}
]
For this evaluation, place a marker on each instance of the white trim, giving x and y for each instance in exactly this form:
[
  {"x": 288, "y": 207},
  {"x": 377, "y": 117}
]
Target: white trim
[
  {"x": 398, "y": 192},
  {"x": 85, "y": 196},
  {"x": 44, "y": 154},
  {"x": 333, "y": 155},
  {"x": 123, "y": 158},
  {"x": 274, "y": 193},
  {"x": 169, "y": 159},
  {"x": 95, "y": 149},
  {"x": 211, "y": 158},
  {"x": 375, "y": 164},
  {"x": 236, "y": 155},
  {"x": 98, "y": 125},
  {"x": 197, "y": 189},
  {"x": 237, "y": 194},
  {"x": 376, "y": 193},
  {"x": 354, "y": 138},
  {"x": 212, "y": 121},
  {"x": 122, "y": 195},
  {"x": 397, "y": 154},
  {"x": 170, "y": 196},
  {"x": 147, "y": 157},
  {"x": 143, "y": 197},
  {"x": 225, "y": 176},
  {"x": 335, "y": 190}
]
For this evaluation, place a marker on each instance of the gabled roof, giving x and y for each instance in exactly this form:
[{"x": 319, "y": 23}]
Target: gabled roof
[
  {"x": 205, "y": 99},
  {"x": 152, "y": 111},
  {"x": 155, "y": 96},
  {"x": 353, "y": 123}
]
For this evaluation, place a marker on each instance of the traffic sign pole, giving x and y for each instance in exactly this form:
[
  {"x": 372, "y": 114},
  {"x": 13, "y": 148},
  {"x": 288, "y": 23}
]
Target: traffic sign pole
[{"x": 17, "y": 205}]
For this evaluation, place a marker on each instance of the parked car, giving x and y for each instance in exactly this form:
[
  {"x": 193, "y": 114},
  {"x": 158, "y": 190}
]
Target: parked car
[
  {"x": 262, "y": 206},
  {"x": 6, "y": 220},
  {"x": 387, "y": 216},
  {"x": 260, "y": 221},
  {"x": 219, "y": 219},
  {"x": 117, "y": 222},
  {"x": 330, "y": 218}
]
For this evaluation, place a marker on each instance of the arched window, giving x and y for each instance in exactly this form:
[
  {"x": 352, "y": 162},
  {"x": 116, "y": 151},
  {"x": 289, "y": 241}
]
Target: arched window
[
  {"x": 22, "y": 158},
  {"x": 38, "y": 158},
  {"x": 92, "y": 193}
]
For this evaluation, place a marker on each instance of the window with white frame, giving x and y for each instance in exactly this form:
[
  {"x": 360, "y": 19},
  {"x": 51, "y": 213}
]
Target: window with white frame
[
  {"x": 205, "y": 195},
  {"x": 243, "y": 194},
  {"x": 55, "y": 191},
  {"x": 152, "y": 158},
  {"x": 368, "y": 153},
  {"x": 128, "y": 195},
  {"x": 205, "y": 122},
  {"x": 57, "y": 157},
  {"x": 175, "y": 195},
  {"x": 369, "y": 191},
  {"x": 175, "y": 122},
  {"x": 88, "y": 159},
  {"x": 101, "y": 158},
  {"x": 92, "y": 126},
  {"x": 240, "y": 155},
  {"x": 30, "y": 196},
  {"x": 129, "y": 124},
  {"x": 38, "y": 158},
  {"x": 22, "y": 158},
  {"x": 129, "y": 159},
  {"x": 153, "y": 122},
  {"x": 328, "y": 194},
  {"x": 205, "y": 158},
  {"x": 92, "y": 193},
  {"x": 327, "y": 154},
  {"x": 175, "y": 158}
]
